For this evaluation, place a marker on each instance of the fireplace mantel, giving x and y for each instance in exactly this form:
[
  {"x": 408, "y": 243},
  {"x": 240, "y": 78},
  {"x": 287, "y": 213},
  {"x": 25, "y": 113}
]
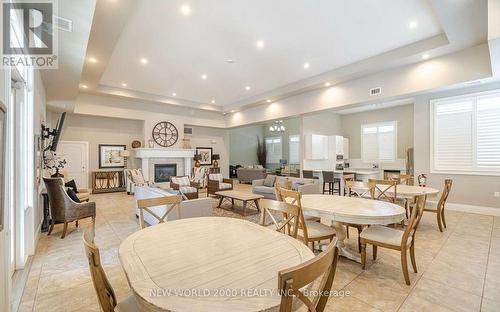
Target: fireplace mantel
[{"x": 145, "y": 154}]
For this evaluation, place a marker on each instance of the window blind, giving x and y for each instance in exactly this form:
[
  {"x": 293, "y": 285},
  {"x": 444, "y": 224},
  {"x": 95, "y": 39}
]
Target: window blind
[
  {"x": 378, "y": 142},
  {"x": 273, "y": 149},
  {"x": 294, "y": 149},
  {"x": 466, "y": 134}
]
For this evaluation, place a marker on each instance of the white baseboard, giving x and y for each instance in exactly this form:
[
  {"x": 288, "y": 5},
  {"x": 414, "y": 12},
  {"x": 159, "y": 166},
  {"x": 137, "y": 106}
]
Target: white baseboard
[{"x": 490, "y": 211}]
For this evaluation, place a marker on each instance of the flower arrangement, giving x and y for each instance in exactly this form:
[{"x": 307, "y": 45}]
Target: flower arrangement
[{"x": 52, "y": 161}]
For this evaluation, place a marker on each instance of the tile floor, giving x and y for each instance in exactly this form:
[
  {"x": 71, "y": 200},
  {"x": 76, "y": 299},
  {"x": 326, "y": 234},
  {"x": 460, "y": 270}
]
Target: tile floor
[{"x": 459, "y": 270}]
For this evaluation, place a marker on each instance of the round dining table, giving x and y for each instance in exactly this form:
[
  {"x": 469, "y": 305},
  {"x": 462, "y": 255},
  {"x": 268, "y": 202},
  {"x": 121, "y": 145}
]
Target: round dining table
[
  {"x": 208, "y": 264},
  {"x": 343, "y": 210}
]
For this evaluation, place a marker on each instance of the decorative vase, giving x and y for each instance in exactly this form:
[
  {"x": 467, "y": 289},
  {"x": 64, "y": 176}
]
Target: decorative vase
[
  {"x": 151, "y": 143},
  {"x": 57, "y": 174}
]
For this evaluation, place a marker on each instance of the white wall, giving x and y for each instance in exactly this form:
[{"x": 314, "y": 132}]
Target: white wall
[
  {"x": 218, "y": 140},
  {"x": 467, "y": 189},
  {"x": 243, "y": 144}
]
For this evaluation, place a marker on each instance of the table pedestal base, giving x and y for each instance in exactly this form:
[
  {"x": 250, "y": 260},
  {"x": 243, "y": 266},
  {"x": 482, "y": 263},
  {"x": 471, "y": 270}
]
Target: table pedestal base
[{"x": 344, "y": 250}]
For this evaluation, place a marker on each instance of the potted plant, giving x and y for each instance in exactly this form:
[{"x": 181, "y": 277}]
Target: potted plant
[
  {"x": 53, "y": 161},
  {"x": 261, "y": 152}
]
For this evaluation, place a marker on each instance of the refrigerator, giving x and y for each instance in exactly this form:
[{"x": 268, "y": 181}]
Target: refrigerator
[{"x": 409, "y": 163}]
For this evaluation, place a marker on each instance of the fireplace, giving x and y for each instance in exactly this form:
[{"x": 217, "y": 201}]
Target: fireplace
[{"x": 163, "y": 172}]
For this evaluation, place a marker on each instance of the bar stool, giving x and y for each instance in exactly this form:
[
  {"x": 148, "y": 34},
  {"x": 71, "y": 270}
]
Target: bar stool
[{"x": 329, "y": 177}]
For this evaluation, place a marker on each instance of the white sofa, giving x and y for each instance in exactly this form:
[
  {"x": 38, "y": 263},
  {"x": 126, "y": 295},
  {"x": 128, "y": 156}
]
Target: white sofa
[
  {"x": 305, "y": 186},
  {"x": 201, "y": 207}
]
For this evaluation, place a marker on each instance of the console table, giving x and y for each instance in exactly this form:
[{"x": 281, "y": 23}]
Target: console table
[{"x": 108, "y": 181}]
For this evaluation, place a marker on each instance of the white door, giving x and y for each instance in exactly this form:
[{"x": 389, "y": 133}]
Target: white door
[{"x": 76, "y": 155}]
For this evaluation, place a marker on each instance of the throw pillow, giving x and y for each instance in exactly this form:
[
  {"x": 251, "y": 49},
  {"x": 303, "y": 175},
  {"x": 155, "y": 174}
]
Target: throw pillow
[
  {"x": 71, "y": 184},
  {"x": 72, "y": 195},
  {"x": 269, "y": 181},
  {"x": 137, "y": 176}
]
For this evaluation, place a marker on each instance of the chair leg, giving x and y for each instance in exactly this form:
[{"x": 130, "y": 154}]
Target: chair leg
[
  {"x": 404, "y": 266},
  {"x": 363, "y": 256},
  {"x": 438, "y": 217},
  {"x": 65, "y": 229},
  {"x": 412, "y": 258},
  {"x": 360, "y": 229},
  {"x": 76, "y": 223},
  {"x": 51, "y": 227},
  {"x": 324, "y": 183},
  {"x": 347, "y": 231},
  {"x": 375, "y": 252},
  {"x": 442, "y": 218}
]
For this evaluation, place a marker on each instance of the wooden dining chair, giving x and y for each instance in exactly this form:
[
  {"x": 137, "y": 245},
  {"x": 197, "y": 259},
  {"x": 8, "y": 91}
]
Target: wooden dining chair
[
  {"x": 405, "y": 179},
  {"x": 171, "y": 202},
  {"x": 309, "y": 231},
  {"x": 383, "y": 189},
  {"x": 293, "y": 280},
  {"x": 348, "y": 177},
  {"x": 289, "y": 213},
  {"x": 352, "y": 191},
  {"x": 105, "y": 293},
  {"x": 392, "y": 238},
  {"x": 439, "y": 209}
]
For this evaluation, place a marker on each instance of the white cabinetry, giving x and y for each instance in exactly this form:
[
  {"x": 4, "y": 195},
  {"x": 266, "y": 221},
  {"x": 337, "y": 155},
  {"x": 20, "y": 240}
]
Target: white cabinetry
[
  {"x": 339, "y": 145},
  {"x": 316, "y": 147}
]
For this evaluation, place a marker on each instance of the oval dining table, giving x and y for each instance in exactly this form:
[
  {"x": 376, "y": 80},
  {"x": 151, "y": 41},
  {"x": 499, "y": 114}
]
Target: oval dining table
[
  {"x": 402, "y": 190},
  {"x": 208, "y": 264},
  {"x": 343, "y": 210}
]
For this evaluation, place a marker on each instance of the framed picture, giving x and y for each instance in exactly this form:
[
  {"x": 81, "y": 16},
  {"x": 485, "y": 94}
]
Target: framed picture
[
  {"x": 206, "y": 155},
  {"x": 3, "y": 138},
  {"x": 109, "y": 156}
]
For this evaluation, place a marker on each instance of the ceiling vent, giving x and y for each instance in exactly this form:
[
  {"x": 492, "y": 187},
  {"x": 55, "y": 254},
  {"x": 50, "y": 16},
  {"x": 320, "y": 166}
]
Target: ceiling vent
[
  {"x": 188, "y": 130},
  {"x": 375, "y": 91},
  {"x": 63, "y": 24}
]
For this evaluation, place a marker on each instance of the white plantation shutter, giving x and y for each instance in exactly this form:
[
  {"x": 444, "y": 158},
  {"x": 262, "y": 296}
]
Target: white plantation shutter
[
  {"x": 378, "y": 142},
  {"x": 466, "y": 134},
  {"x": 488, "y": 132},
  {"x": 453, "y": 136},
  {"x": 273, "y": 150},
  {"x": 294, "y": 148}
]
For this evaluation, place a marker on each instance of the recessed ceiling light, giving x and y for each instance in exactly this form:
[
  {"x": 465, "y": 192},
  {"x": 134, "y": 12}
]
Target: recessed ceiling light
[
  {"x": 84, "y": 86},
  {"x": 306, "y": 65},
  {"x": 248, "y": 88},
  {"x": 412, "y": 24},
  {"x": 268, "y": 101},
  {"x": 425, "y": 56},
  {"x": 124, "y": 84},
  {"x": 144, "y": 60},
  {"x": 212, "y": 101},
  {"x": 230, "y": 61},
  {"x": 232, "y": 111},
  {"x": 260, "y": 44},
  {"x": 92, "y": 60},
  {"x": 174, "y": 94},
  {"x": 185, "y": 10},
  {"x": 204, "y": 76},
  {"x": 327, "y": 84}
]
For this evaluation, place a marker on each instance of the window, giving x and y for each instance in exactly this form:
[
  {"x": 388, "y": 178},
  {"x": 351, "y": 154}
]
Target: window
[
  {"x": 294, "y": 149},
  {"x": 378, "y": 142},
  {"x": 273, "y": 150},
  {"x": 465, "y": 134}
]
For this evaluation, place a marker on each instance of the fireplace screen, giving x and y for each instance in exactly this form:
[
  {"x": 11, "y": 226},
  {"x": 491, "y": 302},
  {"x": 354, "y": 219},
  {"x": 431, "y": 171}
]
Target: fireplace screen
[{"x": 163, "y": 172}]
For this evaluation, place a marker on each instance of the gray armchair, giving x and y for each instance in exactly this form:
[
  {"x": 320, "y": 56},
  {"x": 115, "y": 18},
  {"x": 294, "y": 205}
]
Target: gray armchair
[{"x": 63, "y": 209}]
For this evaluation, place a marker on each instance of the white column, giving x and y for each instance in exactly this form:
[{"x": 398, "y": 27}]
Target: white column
[
  {"x": 145, "y": 169},
  {"x": 187, "y": 166}
]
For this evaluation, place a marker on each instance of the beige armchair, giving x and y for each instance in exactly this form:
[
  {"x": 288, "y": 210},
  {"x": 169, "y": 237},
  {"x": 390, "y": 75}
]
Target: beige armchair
[
  {"x": 217, "y": 183},
  {"x": 133, "y": 178},
  {"x": 63, "y": 209},
  {"x": 200, "y": 176},
  {"x": 185, "y": 186}
]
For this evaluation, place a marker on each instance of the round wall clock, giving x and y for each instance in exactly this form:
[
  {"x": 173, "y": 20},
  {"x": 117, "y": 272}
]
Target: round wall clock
[{"x": 165, "y": 134}]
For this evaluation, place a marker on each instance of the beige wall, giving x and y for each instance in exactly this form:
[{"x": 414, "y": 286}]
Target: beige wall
[
  {"x": 467, "y": 189},
  {"x": 243, "y": 144},
  {"x": 218, "y": 140},
  {"x": 100, "y": 130},
  {"x": 351, "y": 127}
]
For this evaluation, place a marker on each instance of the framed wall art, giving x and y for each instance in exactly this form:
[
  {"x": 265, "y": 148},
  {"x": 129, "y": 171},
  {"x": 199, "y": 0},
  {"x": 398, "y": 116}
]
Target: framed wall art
[
  {"x": 206, "y": 155},
  {"x": 109, "y": 156}
]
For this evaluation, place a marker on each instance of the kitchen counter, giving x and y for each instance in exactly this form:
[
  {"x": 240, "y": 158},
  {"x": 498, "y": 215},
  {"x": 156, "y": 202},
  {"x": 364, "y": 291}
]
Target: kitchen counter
[{"x": 356, "y": 171}]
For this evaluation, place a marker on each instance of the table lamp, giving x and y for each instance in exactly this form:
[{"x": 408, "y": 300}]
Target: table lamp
[
  {"x": 197, "y": 159},
  {"x": 124, "y": 154},
  {"x": 216, "y": 158}
]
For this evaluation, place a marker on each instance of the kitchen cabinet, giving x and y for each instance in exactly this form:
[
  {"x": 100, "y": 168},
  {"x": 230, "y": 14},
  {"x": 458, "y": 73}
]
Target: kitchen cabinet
[
  {"x": 316, "y": 147},
  {"x": 339, "y": 145}
]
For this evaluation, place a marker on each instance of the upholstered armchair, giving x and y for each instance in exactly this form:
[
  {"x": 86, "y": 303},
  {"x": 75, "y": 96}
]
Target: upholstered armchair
[
  {"x": 185, "y": 186},
  {"x": 133, "y": 178},
  {"x": 63, "y": 209},
  {"x": 217, "y": 183},
  {"x": 200, "y": 176}
]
